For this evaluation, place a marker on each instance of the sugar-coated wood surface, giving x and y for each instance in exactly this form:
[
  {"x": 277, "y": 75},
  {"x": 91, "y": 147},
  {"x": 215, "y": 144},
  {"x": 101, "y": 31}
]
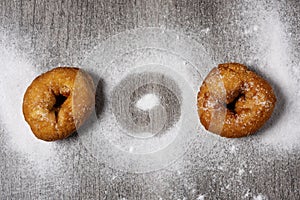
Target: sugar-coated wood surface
[{"x": 52, "y": 33}]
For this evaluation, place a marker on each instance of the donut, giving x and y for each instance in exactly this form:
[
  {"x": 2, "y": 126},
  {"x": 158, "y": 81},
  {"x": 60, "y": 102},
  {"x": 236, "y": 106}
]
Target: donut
[
  {"x": 58, "y": 101},
  {"x": 234, "y": 101}
]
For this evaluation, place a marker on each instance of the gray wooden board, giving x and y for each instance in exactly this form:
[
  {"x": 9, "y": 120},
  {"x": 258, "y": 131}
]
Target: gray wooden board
[{"x": 51, "y": 33}]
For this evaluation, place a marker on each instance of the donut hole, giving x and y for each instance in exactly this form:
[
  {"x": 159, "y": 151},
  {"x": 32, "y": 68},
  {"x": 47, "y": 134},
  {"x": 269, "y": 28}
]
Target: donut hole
[
  {"x": 232, "y": 105},
  {"x": 59, "y": 101}
]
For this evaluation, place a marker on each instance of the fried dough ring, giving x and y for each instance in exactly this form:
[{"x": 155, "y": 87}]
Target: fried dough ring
[
  {"x": 57, "y": 102},
  {"x": 234, "y": 101}
]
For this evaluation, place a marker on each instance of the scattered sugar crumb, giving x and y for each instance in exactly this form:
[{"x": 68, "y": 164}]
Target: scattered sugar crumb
[
  {"x": 201, "y": 197},
  {"x": 259, "y": 197},
  {"x": 232, "y": 149},
  {"x": 147, "y": 102},
  {"x": 241, "y": 172}
]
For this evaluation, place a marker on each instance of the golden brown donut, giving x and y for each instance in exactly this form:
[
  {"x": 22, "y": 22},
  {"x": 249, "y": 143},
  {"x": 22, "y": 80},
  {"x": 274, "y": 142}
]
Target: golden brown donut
[
  {"x": 57, "y": 102},
  {"x": 234, "y": 101}
]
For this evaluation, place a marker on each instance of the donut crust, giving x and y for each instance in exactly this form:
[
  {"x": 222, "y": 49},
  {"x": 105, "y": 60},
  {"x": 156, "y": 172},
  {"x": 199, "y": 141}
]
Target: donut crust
[
  {"x": 234, "y": 101},
  {"x": 58, "y": 102}
]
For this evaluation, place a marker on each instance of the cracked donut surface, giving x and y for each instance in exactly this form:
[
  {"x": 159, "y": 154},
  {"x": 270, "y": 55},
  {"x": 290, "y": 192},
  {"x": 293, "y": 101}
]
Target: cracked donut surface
[
  {"x": 58, "y": 101},
  {"x": 234, "y": 101}
]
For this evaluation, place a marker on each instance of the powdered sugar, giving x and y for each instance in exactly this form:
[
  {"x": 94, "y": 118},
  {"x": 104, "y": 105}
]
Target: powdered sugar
[
  {"x": 275, "y": 60},
  {"x": 201, "y": 197},
  {"x": 147, "y": 102},
  {"x": 259, "y": 197},
  {"x": 17, "y": 74}
]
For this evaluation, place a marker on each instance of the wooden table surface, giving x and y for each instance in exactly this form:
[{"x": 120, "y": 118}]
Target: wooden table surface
[{"x": 53, "y": 33}]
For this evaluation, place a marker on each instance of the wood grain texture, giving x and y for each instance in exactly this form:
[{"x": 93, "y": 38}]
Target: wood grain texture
[{"x": 63, "y": 32}]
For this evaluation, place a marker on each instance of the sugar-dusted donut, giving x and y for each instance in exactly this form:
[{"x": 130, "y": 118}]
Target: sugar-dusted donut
[
  {"x": 234, "y": 101},
  {"x": 58, "y": 101}
]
